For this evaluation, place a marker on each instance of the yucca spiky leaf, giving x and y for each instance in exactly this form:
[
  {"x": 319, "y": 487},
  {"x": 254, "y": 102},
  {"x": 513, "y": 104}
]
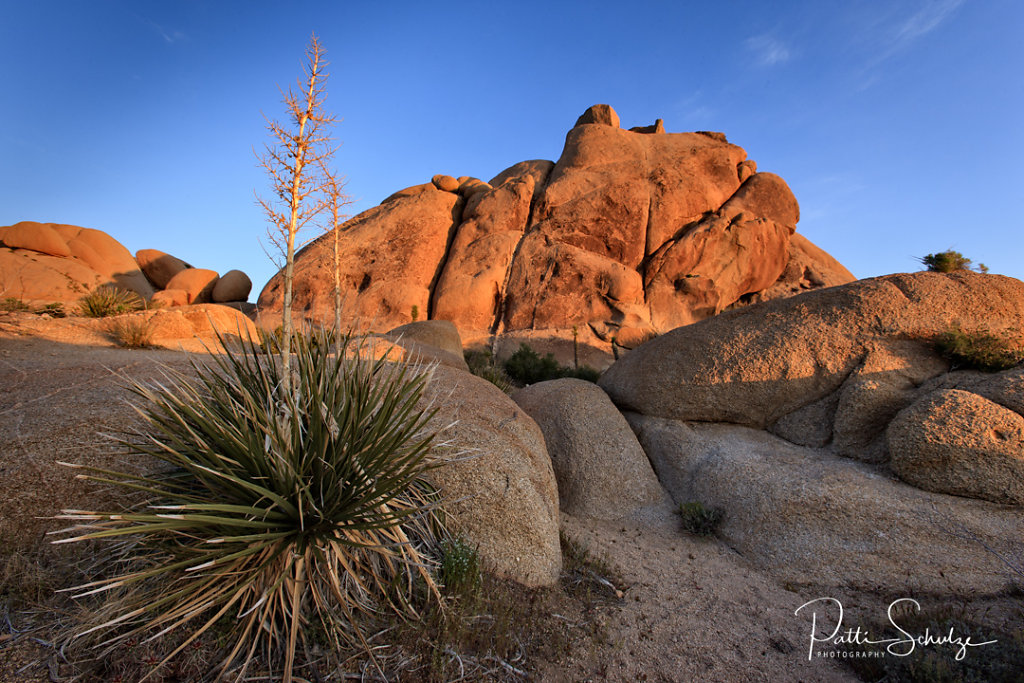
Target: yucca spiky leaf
[
  {"x": 107, "y": 300},
  {"x": 276, "y": 508}
]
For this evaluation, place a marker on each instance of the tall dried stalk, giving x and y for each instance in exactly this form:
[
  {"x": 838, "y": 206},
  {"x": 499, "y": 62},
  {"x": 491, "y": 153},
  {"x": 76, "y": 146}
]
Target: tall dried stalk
[
  {"x": 294, "y": 160},
  {"x": 336, "y": 198}
]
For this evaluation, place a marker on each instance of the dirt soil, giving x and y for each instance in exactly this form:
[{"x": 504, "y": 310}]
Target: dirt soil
[
  {"x": 688, "y": 608},
  {"x": 692, "y": 610}
]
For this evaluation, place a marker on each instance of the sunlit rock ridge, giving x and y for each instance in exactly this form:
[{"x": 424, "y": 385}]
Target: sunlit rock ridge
[{"x": 631, "y": 233}]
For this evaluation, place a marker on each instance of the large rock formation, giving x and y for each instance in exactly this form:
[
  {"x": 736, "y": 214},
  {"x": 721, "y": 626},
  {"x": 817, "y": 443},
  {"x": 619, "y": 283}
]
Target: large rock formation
[
  {"x": 50, "y": 262},
  {"x": 831, "y": 431},
  {"x": 630, "y": 234},
  {"x": 762, "y": 365}
]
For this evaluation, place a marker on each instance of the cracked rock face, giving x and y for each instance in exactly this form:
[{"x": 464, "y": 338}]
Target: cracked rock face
[{"x": 630, "y": 234}]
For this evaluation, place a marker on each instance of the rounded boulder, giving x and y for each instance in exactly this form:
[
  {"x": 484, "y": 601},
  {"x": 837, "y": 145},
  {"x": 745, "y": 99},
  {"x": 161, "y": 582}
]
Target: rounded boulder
[
  {"x": 601, "y": 469},
  {"x": 197, "y": 282},
  {"x": 499, "y": 489},
  {"x": 35, "y": 237},
  {"x": 445, "y": 183},
  {"x": 957, "y": 442},
  {"x": 233, "y": 285},
  {"x": 159, "y": 267}
]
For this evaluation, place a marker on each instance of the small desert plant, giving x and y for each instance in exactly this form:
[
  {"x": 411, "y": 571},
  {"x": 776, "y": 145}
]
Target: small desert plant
[
  {"x": 105, "y": 301},
  {"x": 13, "y": 304},
  {"x": 280, "y": 511},
  {"x": 270, "y": 341},
  {"x": 978, "y": 350},
  {"x": 55, "y": 309},
  {"x": 584, "y": 372},
  {"x": 132, "y": 332},
  {"x": 700, "y": 520},
  {"x": 481, "y": 364},
  {"x": 526, "y": 366},
  {"x": 459, "y": 570},
  {"x": 949, "y": 261}
]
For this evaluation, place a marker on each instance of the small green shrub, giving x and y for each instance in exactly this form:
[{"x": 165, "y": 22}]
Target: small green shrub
[
  {"x": 460, "y": 568},
  {"x": 978, "y": 350},
  {"x": 278, "y": 511},
  {"x": 949, "y": 261},
  {"x": 481, "y": 364},
  {"x": 584, "y": 372},
  {"x": 107, "y": 301},
  {"x": 700, "y": 520},
  {"x": 13, "y": 304},
  {"x": 132, "y": 332},
  {"x": 526, "y": 366}
]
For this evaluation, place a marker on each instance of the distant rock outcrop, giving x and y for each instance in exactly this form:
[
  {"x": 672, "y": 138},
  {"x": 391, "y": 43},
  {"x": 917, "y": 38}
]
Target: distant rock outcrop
[
  {"x": 630, "y": 234},
  {"x": 49, "y": 262}
]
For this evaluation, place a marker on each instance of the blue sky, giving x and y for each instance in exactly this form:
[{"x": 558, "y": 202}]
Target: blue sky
[{"x": 896, "y": 122}]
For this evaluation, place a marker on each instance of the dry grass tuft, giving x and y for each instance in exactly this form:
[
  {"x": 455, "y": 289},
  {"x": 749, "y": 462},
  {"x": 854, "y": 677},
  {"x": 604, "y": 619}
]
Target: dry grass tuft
[{"x": 131, "y": 332}]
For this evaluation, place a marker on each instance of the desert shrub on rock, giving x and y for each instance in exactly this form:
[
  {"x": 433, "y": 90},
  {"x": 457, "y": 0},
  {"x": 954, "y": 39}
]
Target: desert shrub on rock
[
  {"x": 526, "y": 366},
  {"x": 106, "y": 301},
  {"x": 277, "y": 511},
  {"x": 698, "y": 519},
  {"x": 54, "y": 310},
  {"x": 978, "y": 350},
  {"x": 949, "y": 261},
  {"x": 482, "y": 364},
  {"x": 13, "y": 304}
]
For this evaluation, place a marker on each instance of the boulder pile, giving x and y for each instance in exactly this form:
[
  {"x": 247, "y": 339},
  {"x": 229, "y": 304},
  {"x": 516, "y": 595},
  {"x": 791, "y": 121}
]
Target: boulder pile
[
  {"x": 49, "y": 262},
  {"x": 844, "y": 449},
  {"x": 630, "y": 234}
]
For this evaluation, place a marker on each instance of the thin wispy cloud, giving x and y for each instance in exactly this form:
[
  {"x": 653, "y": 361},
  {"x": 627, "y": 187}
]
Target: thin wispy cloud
[
  {"x": 768, "y": 51},
  {"x": 692, "y": 111},
  {"x": 170, "y": 36},
  {"x": 926, "y": 20},
  {"x": 902, "y": 34}
]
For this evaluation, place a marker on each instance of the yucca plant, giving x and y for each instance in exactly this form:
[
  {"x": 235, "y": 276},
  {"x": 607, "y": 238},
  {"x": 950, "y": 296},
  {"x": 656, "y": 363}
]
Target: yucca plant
[
  {"x": 279, "y": 510},
  {"x": 106, "y": 300}
]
